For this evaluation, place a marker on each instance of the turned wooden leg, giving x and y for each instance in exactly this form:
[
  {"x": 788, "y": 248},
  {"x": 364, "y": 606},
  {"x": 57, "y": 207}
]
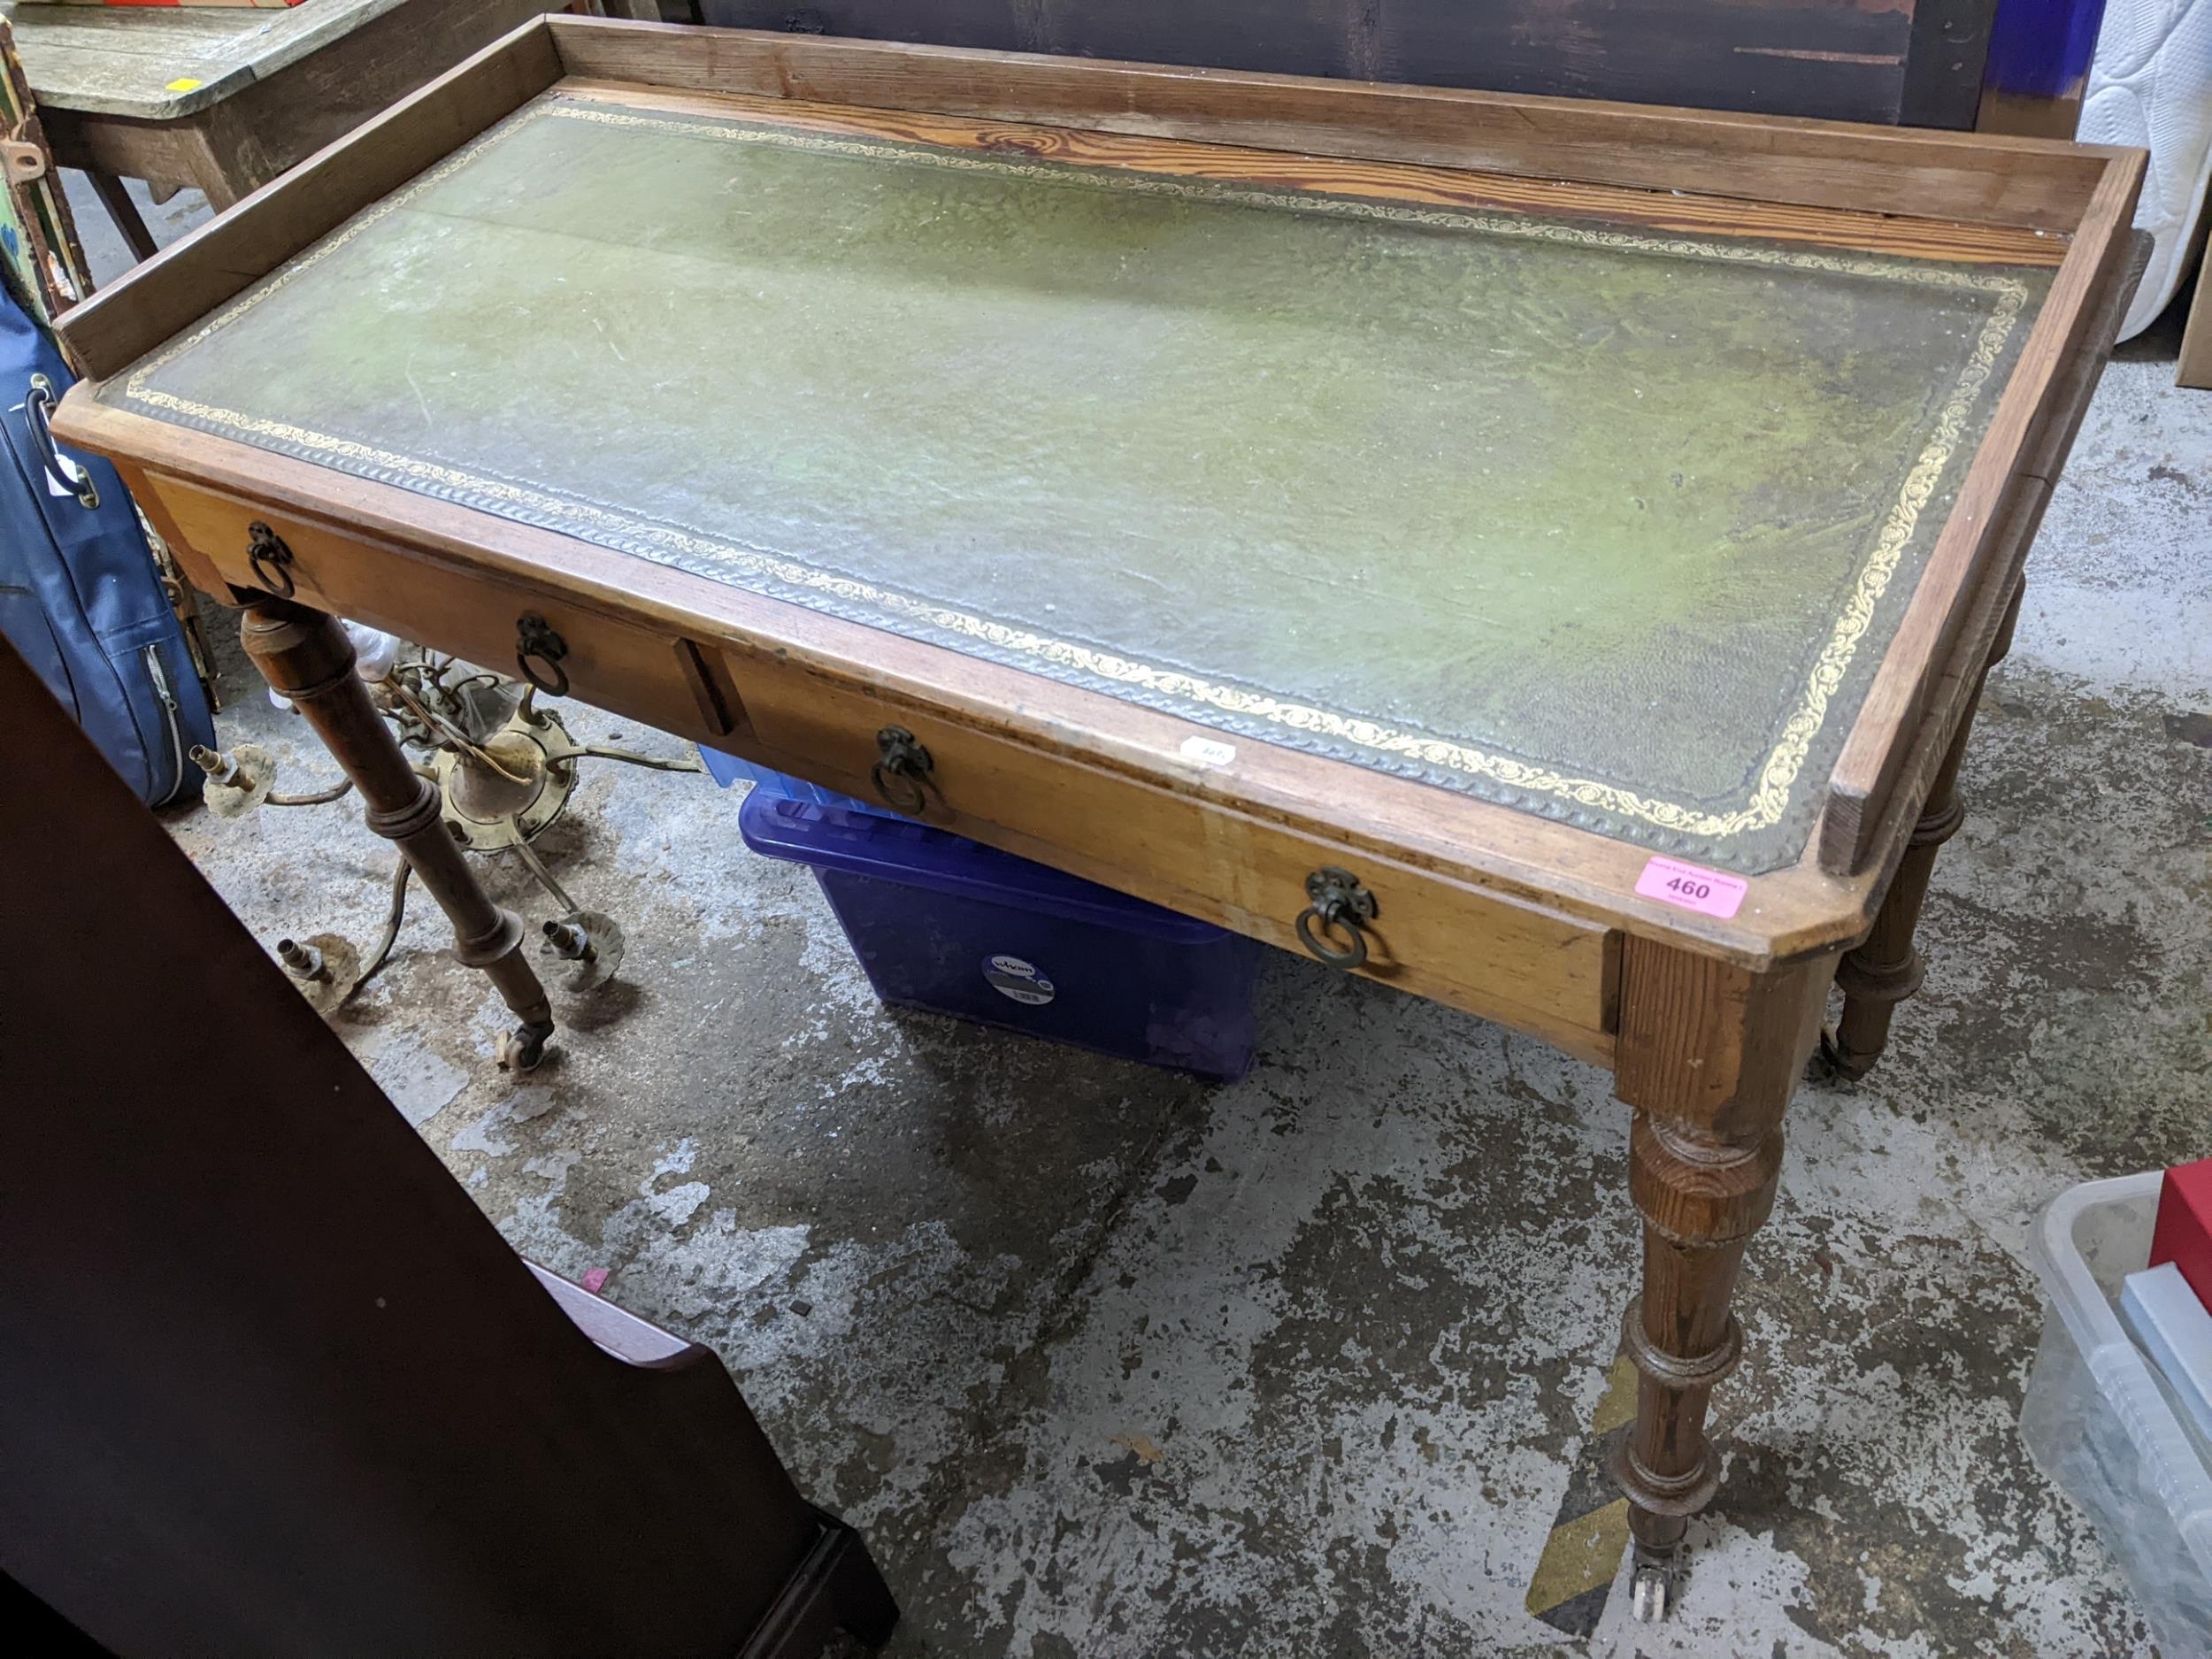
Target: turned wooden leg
[
  {"x": 1887, "y": 968},
  {"x": 305, "y": 656},
  {"x": 1709, "y": 1055}
]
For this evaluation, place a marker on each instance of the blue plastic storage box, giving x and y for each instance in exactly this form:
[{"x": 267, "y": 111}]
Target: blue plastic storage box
[{"x": 943, "y": 924}]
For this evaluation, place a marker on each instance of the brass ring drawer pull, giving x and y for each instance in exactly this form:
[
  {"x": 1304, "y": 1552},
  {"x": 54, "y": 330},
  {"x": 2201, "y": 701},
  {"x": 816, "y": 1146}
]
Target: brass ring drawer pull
[
  {"x": 271, "y": 560},
  {"x": 536, "y": 641},
  {"x": 1343, "y": 906},
  {"x": 902, "y": 775}
]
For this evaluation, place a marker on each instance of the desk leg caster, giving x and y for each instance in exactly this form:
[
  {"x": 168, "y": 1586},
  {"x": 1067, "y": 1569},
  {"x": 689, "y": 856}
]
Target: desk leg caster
[
  {"x": 522, "y": 1048},
  {"x": 1836, "y": 1058},
  {"x": 1658, "y": 1583}
]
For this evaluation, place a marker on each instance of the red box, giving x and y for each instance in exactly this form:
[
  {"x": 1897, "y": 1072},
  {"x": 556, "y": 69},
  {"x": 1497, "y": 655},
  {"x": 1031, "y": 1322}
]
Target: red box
[{"x": 2184, "y": 1233}]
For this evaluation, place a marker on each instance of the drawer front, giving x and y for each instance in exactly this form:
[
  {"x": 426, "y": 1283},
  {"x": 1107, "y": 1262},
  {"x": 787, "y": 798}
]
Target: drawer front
[
  {"x": 1434, "y": 936},
  {"x": 644, "y": 674}
]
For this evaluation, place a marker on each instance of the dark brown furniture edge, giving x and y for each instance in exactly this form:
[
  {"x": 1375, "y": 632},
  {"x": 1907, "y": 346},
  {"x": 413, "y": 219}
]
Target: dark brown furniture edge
[{"x": 275, "y": 1382}]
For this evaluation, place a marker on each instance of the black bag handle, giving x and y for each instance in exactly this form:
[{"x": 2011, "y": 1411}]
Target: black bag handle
[{"x": 37, "y": 403}]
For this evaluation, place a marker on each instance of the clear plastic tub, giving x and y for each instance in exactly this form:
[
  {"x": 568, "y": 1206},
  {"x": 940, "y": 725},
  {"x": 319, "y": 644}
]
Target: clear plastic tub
[{"x": 2099, "y": 1420}]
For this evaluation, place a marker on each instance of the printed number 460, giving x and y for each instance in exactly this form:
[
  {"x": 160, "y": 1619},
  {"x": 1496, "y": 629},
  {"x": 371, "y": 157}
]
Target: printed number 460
[{"x": 1688, "y": 889}]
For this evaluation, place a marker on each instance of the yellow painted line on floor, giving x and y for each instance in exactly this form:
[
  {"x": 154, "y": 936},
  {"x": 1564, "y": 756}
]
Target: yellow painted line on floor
[
  {"x": 1583, "y": 1552},
  {"x": 1580, "y": 1556}
]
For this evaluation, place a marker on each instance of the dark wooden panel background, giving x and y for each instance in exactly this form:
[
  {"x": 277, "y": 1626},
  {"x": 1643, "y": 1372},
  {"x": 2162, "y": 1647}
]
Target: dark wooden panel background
[{"x": 1864, "y": 60}]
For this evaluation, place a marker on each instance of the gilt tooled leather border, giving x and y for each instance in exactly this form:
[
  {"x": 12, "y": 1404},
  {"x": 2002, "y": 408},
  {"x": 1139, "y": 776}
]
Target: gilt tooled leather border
[{"x": 1719, "y": 835}]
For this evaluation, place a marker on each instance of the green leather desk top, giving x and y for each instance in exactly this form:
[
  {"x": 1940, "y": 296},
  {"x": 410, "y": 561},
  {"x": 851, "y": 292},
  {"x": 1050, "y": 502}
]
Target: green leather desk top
[{"x": 1606, "y": 525}]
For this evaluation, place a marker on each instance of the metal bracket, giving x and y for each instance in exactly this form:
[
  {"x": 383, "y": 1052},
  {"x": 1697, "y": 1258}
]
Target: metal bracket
[{"x": 25, "y": 162}]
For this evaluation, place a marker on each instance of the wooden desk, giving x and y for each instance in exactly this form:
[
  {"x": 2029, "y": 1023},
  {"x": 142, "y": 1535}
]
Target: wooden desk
[
  {"x": 1391, "y": 522},
  {"x": 223, "y": 99}
]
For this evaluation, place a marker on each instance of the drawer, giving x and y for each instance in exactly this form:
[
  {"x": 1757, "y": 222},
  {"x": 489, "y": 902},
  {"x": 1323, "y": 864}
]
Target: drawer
[
  {"x": 1550, "y": 975},
  {"x": 1524, "y": 966},
  {"x": 645, "y": 674}
]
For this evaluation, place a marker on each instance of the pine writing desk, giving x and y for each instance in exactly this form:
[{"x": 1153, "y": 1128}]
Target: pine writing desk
[{"x": 1540, "y": 555}]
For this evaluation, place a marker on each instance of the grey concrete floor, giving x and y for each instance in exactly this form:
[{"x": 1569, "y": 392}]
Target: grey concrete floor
[{"x": 1108, "y": 1362}]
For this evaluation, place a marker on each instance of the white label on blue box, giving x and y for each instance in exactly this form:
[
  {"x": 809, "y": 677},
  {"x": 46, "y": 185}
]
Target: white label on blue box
[{"x": 1012, "y": 978}]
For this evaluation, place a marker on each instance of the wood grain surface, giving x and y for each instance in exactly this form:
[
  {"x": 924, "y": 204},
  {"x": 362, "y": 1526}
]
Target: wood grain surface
[
  {"x": 1382, "y": 180},
  {"x": 2035, "y": 184},
  {"x": 163, "y": 63},
  {"x": 1859, "y": 60}
]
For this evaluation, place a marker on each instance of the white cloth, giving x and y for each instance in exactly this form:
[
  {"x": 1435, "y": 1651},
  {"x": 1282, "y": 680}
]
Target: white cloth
[
  {"x": 2151, "y": 85},
  {"x": 375, "y": 651}
]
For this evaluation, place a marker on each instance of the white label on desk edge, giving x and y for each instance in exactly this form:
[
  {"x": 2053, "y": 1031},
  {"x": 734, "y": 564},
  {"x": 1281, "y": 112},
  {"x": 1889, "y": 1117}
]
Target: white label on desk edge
[{"x": 1209, "y": 751}]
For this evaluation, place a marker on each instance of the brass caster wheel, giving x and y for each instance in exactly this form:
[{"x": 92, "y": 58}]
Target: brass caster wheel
[{"x": 522, "y": 1048}]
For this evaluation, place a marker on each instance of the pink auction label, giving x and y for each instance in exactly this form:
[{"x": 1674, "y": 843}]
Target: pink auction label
[{"x": 1708, "y": 892}]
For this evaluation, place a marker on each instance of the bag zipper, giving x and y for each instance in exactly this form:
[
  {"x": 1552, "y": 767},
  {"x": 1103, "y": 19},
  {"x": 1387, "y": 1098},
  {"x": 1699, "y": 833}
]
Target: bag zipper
[{"x": 160, "y": 678}]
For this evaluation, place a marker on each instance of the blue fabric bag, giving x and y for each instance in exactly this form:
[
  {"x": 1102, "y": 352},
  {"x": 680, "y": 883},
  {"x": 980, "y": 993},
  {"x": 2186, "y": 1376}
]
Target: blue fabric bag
[{"x": 79, "y": 596}]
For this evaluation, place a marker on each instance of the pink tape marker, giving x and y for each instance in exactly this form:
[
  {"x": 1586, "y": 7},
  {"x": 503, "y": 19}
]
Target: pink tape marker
[
  {"x": 1693, "y": 888},
  {"x": 594, "y": 1280}
]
